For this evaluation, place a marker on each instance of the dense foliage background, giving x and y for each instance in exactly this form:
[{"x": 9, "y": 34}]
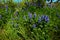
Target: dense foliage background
[{"x": 30, "y": 20}]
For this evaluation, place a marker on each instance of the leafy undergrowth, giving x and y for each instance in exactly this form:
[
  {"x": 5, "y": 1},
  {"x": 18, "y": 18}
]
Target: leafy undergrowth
[{"x": 29, "y": 24}]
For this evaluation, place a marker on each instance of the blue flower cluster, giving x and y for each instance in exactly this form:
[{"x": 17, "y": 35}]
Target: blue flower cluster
[
  {"x": 45, "y": 18},
  {"x": 40, "y": 21}
]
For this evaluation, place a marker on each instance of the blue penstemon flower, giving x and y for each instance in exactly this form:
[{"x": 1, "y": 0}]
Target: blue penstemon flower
[
  {"x": 30, "y": 15},
  {"x": 6, "y": 8},
  {"x": 0, "y": 16},
  {"x": 39, "y": 19},
  {"x": 45, "y": 18},
  {"x": 42, "y": 17},
  {"x": 34, "y": 15},
  {"x": 34, "y": 25}
]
